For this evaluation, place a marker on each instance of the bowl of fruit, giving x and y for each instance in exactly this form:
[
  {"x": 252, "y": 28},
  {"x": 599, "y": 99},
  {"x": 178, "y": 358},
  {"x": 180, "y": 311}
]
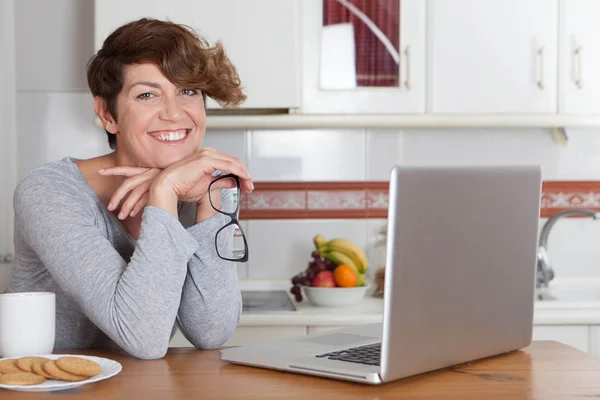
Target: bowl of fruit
[{"x": 335, "y": 276}]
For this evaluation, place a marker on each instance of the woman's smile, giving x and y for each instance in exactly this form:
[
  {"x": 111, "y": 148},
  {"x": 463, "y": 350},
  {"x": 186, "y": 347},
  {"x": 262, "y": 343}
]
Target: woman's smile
[{"x": 171, "y": 137}]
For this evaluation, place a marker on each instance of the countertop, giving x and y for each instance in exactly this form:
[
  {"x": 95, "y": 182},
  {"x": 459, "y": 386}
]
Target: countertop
[
  {"x": 547, "y": 312},
  {"x": 544, "y": 370}
]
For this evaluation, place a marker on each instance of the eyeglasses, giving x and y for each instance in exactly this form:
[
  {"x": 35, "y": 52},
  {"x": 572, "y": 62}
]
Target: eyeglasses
[{"x": 225, "y": 239}]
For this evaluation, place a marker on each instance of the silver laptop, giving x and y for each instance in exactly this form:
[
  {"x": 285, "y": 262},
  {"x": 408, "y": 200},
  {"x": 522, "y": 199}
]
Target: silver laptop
[{"x": 459, "y": 285}]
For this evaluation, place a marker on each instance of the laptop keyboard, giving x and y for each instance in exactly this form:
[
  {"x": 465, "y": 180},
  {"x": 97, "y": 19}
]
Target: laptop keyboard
[{"x": 368, "y": 354}]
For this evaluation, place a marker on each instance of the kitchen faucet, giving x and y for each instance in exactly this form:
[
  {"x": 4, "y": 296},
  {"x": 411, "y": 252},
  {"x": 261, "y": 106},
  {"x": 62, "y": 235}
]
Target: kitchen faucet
[{"x": 544, "y": 273}]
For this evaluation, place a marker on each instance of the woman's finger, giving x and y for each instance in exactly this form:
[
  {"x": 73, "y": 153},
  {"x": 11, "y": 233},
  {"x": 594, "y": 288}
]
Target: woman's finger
[
  {"x": 227, "y": 165},
  {"x": 123, "y": 171},
  {"x": 133, "y": 198},
  {"x": 210, "y": 152},
  {"x": 128, "y": 185},
  {"x": 139, "y": 206}
]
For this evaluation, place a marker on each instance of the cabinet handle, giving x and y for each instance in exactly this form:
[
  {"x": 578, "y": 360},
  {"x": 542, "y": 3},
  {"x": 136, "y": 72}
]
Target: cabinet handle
[
  {"x": 578, "y": 77},
  {"x": 541, "y": 77},
  {"x": 407, "y": 82}
]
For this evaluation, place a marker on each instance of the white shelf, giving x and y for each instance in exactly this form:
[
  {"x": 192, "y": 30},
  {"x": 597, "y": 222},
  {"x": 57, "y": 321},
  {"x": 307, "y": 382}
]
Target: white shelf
[{"x": 300, "y": 121}]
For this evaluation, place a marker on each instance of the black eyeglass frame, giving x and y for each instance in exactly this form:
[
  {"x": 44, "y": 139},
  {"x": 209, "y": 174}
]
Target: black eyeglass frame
[{"x": 232, "y": 215}]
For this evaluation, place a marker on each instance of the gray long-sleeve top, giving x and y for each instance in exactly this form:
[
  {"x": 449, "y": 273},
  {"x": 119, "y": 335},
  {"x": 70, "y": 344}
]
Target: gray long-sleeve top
[{"x": 111, "y": 289}]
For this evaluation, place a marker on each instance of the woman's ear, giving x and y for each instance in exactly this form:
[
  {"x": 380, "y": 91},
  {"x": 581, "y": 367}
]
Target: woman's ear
[{"x": 108, "y": 121}]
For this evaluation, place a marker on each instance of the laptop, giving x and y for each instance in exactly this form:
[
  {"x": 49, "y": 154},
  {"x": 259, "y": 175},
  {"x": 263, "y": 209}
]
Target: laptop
[{"x": 459, "y": 284}]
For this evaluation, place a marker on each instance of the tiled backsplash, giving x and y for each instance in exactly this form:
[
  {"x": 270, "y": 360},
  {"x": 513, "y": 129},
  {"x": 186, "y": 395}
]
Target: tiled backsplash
[
  {"x": 54, "y": 125},
  {"x": 305, "y": 200}
]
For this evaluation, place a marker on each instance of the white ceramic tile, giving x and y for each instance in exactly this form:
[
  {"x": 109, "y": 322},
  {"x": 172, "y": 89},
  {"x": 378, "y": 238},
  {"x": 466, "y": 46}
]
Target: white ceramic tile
[
  {"x": 51, "y": 126},
  {"x": 242, "y": 268},
  {"x": 384, "y": 149},
  {"x": 525, "y": 147},
  {"x": 573, "y": 247},
  {"x": 307, "y": 155},
  {"x": 445, "y": 147},
  {"x": 376, "y": 245},
  {"x": 282, "y": 248},
  {"x": 54, "y": 41},
  {"x": 580, "y": 160},
  {"x": 226, "y": 141}
]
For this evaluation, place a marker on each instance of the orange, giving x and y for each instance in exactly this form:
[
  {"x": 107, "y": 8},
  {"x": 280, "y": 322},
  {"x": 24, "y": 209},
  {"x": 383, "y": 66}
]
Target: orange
[{"x": 344, "y": 276}]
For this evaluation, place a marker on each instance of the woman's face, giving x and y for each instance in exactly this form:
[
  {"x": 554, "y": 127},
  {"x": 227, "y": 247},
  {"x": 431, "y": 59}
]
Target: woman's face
[{"x": 157, "y": 122}]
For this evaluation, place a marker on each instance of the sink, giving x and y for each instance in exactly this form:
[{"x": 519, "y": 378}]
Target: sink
[
  {"x": 570, "y": 292},
  {"x": 261, "y": 301}
]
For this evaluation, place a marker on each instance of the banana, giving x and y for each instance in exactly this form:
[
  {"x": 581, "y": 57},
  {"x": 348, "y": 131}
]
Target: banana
[
  {"x": 319, "y": 241},
  {"x": 340, "y": 258},
  {"x": 351, "y": 250},
  {"x": 361, "y": 280}
]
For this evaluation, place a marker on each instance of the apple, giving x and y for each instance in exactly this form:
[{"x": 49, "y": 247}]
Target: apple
[{"x": 324, "y": 279}]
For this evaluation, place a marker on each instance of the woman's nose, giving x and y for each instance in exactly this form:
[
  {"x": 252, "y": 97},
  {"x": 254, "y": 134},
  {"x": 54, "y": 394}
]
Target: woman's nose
[{"x": 171, "y": 110}]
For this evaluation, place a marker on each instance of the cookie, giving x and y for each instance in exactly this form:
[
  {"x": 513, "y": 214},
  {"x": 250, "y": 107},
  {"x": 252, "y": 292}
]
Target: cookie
[
  {"x": 39, "y": 370},
  {"x": 21, "y": 378},
  {"x": 56, "y": 373},
  {"x": 9, "y": 366},
  {"x": 79, "y": 366},
  {"x": 24, "y": 363}
]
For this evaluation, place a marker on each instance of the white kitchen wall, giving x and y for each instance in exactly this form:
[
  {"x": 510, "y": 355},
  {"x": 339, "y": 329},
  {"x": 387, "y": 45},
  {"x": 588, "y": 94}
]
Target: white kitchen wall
[{"x": 55, "y": 119}]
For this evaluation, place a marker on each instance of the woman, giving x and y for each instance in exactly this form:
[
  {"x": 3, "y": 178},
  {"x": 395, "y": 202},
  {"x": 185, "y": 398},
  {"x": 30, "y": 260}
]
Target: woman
[{"x": 127, "y": 240}]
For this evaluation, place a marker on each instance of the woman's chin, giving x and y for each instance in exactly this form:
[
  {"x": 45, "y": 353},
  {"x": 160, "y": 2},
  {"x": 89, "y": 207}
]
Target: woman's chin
[{"x": 164, "y": 162}]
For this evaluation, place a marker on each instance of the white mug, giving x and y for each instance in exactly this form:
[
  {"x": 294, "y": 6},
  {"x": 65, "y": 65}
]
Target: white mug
[{"x": 27, "y": 323}]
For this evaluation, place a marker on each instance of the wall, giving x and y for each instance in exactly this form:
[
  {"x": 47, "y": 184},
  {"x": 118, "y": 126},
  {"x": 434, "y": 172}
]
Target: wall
[{"x": 55, "y": 119}]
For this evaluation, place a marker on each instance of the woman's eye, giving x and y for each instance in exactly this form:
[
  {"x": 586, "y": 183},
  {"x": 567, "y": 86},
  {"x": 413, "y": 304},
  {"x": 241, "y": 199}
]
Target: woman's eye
[
  {"x": 189, "y": 92},
  {"x": 145, "y": 96}
]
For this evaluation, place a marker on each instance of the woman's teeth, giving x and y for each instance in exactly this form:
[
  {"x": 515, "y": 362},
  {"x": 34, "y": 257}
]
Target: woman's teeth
[{"x": 172, "y": 136}]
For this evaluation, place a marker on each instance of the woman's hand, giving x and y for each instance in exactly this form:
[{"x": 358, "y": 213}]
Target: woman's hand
[
  {"x": 137, "y": 184},
  {"x": 190, "y": 177},
  {"x": 187, "y": 180}
]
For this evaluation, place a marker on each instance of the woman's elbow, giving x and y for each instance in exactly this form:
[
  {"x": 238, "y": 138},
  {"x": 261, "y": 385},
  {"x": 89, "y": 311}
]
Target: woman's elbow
[
  {"x": 147, "y": 351},
  {"x": 215, "y": 338},
  {"x": 212, "y": 342}
]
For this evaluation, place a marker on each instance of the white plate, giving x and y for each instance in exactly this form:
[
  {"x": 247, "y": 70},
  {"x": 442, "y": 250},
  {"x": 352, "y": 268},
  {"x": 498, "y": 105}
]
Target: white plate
[{"x": 109, "y": 368}]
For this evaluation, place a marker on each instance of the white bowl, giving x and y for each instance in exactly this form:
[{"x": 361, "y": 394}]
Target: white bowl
[{"x": 336, "y": 296}]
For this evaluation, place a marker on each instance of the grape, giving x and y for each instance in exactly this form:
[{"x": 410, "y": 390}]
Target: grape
[
  {"x": 316, "y": 254},
  {"x": 295, "y": 289},
  {"x": 296, "y": 279},
  {"x": 298, "y": 297},
  {"x": 330, "y": 265},
  {"x": 306, "y": 281},
  {"x": 310, "y": 274},
  {"x": 319, "y": 267}
]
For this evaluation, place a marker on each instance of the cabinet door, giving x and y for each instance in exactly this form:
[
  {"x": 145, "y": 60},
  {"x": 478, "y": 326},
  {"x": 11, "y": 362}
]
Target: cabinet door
[
  {"x": 579, "y": 57},
  {"x": 573, "y": 335},
  {"x": 247, "y": 335},
  {"x": 492, "y": 56},
  {"x": 259, "y": 36},
  {"x": 363, "y": 56},
  {"x": 7, "y": 139}
]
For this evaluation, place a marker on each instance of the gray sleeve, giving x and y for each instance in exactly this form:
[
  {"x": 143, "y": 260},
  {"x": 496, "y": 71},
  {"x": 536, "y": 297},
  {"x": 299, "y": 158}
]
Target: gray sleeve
[
  {"x": 211, "y": 304},
  {"x": 135, "y": 304}
]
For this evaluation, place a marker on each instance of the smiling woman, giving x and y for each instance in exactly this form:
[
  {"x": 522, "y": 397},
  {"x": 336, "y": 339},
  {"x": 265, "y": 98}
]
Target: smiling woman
[{"x": 126, "y": 240}]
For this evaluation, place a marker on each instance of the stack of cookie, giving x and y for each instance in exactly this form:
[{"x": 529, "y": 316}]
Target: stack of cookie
[{"x": 35, "y": 370}]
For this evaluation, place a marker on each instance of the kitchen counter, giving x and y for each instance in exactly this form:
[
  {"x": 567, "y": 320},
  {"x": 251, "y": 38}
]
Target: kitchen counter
[
  {"x": 544, "y": 370},
  {"x": 548, "y": 312}
]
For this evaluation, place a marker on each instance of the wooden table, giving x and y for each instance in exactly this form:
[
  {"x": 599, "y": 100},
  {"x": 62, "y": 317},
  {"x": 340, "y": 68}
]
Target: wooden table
[{"x": 544, "y": 370}]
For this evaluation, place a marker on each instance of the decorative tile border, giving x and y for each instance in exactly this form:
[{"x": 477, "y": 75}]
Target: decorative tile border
[{"x": 335, "y": 200}]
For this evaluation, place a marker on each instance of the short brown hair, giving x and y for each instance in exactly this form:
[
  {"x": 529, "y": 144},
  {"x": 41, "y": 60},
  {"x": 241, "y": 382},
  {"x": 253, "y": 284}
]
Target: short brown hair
[{"x": 184, "y": 57}]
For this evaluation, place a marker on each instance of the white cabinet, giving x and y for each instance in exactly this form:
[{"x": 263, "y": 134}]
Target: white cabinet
[
  {"x": 248, "y": 334},
  {"x": 259, "y": 36},
  {"x": 492, "y": 56},
  {"x": 579, "y": 57},
  {"x": 334, "y": 67},
  {"x": 7, "y": 137},
  {"x": 573, "y": 335}
]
